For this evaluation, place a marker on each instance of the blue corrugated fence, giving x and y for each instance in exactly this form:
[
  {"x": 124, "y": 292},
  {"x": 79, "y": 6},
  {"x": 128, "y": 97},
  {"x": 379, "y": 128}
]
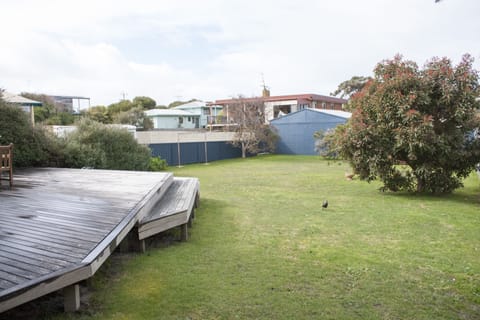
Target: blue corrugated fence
[{"x": 194, "y": 152}]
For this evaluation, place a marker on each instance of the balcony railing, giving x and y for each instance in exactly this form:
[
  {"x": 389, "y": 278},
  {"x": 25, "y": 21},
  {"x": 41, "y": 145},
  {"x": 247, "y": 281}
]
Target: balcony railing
[{"x": 216, "y": 120}]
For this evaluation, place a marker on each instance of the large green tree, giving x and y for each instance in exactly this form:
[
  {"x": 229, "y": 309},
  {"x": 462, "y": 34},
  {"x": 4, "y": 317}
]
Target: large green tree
[{"x": 414, "y": 128}]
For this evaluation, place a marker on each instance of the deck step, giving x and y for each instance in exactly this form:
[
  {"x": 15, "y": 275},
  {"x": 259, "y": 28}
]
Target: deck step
[{"x": 174, "y": 209}]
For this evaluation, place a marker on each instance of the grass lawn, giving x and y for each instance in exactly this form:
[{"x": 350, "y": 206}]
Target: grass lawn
[{"x": 263, "y": 248}]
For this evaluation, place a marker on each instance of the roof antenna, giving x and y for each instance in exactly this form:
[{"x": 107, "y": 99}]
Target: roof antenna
[{"x": 265, "y": 90}]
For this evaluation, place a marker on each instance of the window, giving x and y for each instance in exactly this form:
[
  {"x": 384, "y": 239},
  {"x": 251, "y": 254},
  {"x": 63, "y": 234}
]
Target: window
[
  {"x": 189, "y": 119},
  {"x": 324, "y": 105},
  {"x": 180, "y": 120},
  {"x": 279, "y": 111}
]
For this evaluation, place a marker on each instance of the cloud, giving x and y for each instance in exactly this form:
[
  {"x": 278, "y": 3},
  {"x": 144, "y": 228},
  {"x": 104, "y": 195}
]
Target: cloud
[{"x": 214, "y": 49}]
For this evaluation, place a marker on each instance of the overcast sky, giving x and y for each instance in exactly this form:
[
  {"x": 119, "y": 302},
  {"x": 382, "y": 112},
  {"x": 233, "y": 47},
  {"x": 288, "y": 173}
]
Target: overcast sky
[{"x": 214, "y": 49}]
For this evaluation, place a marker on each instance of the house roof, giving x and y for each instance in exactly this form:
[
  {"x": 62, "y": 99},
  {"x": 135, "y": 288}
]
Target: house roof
[
  {"x": 169, "y": 113},
  {"x": 13, "y": 98},
  {"x": 198, "y": 104},
  {"x": 192, "y": 104},
  {"x": 299, "y": 97},
  {"x": 70, "y": 97}
]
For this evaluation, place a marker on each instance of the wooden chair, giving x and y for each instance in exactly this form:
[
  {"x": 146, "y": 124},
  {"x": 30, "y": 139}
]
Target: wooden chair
[{"x": 6, "y": 162}]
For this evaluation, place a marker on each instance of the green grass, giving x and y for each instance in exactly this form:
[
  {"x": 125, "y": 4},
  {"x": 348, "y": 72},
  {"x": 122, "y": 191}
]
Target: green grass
[{"x": 263, "y": 248}]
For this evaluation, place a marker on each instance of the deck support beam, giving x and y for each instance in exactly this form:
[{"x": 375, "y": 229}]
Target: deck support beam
[
  {"x": 131, "y": 243},
  {"x": 71, "y": 298},
  {"x": 190, "y": 220},
  {"x": 184, "y": 232}
]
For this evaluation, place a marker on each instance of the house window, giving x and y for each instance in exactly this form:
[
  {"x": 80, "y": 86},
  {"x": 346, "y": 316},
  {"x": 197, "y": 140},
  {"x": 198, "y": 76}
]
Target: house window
[
  {"x": 324, "y": 105},
  {"x": 282, "y": 110},
  {"x": 189, "y": 119},
  {"x": 180, "y": 120}
]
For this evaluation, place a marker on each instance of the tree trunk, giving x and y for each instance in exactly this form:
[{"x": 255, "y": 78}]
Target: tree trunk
[
  {"x": 420, "y": 179},
  {"x": 420, "y": 184},
  {"x": 244, "y": 150}
]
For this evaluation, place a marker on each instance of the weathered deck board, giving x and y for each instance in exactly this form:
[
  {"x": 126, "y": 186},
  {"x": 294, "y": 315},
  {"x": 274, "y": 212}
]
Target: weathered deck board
[
  {"x": 65, "y": 231},
  {"x": 174, "y": 209},
  {"x": 56, "y": 237},
  {"x": 57, "y": 226},
  {"x": 8, "y": 257}
]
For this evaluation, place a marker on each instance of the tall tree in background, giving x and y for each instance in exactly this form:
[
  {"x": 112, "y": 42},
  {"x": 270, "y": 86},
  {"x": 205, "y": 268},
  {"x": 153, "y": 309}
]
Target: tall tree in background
[
  {"x": 349, "y": 87},
  {"x": 98, "y": 114},
  {"x": 179, "y": 102},
  {"x": 423, "y": 118},
  {"x": 252, "y": 135},
  {"x": 124, "y": 112},
  {"x": 146, "y": 103},
  {"x": 135, "y": 117}
]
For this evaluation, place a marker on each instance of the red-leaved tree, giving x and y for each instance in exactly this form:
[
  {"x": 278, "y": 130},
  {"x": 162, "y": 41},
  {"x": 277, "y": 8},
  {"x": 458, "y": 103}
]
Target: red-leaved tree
[{"x": 415, "y": 129}]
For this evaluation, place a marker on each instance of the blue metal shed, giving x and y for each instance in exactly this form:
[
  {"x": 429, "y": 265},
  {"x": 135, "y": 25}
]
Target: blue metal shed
[{"x": 296, "y": 129}]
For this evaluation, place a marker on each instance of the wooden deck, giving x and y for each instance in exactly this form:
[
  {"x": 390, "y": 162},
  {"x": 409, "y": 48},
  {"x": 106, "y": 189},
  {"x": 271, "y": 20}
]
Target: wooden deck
[
  {"x": 175, "y": 209},
  {"x": 57, "y": 226}
]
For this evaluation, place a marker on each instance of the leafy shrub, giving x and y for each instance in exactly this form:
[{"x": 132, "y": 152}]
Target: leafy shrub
[
  {"x": 80, "y": 155},
  {"x": 33, "y": 146},
  {"x": 157, "y": 164},
  {"x": 101, "y": 147},
  {"x": 324, "y": 143}
]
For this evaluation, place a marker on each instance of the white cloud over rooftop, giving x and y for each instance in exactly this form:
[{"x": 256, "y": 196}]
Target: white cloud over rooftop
[{"x": 215, "y": 49}]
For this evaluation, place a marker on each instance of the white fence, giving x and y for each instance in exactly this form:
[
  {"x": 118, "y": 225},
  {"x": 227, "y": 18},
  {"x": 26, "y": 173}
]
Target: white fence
[{"x": 174, "y": 136}]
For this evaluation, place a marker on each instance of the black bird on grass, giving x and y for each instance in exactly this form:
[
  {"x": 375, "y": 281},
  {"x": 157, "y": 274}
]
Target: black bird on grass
[{"x": 325, "y": 204}]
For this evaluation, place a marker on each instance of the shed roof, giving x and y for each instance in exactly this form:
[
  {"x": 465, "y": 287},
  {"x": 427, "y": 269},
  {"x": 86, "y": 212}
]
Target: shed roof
[
  {"x": 337, "y": 113},
  {"x": 293, "y": 115}
]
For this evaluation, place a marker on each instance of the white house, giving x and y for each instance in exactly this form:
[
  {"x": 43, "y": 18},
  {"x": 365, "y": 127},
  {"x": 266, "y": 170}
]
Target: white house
[
  {"x": 208, "y": 113},
  {"x": 173, "y": 119}
]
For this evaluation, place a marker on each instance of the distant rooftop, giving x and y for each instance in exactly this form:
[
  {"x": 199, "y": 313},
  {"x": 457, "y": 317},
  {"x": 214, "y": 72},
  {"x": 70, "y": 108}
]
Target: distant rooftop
[
  {"x": 197, "y": 104},
  {"x": 192, "y": 104},
  {"x": 300, "y": 97},
  {"x": 14, "y": 98},
  {"x": 70, "y": 97}
]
